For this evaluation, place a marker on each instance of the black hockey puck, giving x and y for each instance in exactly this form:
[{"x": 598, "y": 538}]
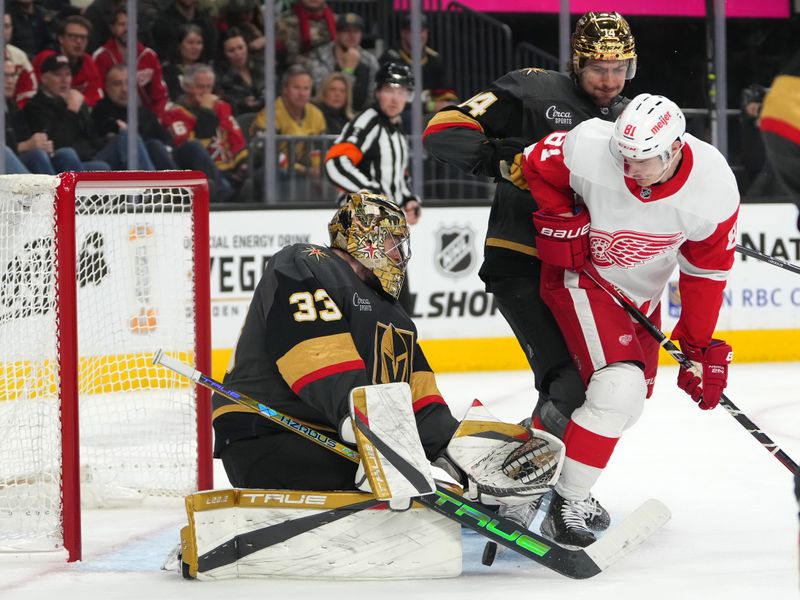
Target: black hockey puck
[{"x": 489, "y": 552}]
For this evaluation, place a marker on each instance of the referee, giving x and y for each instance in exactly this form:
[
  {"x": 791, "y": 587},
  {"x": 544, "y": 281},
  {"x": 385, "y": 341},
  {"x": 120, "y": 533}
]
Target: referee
[{"x": 371, "y": 152}]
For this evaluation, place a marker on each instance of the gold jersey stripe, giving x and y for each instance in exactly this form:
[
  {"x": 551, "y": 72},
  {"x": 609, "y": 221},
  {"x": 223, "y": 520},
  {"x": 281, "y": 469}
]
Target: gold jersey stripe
[
  {"x": 452, "y": 118},
  {"x": 423, "y": 383},
  {"x": 781, "y": 101},
  {"x": 515, "y": 246},
  {"x": 313, "y": 355}
]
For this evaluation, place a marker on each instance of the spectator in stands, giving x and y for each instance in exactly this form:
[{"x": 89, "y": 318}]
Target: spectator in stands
[
  {"x": 296, "y": 116},
  {"x": 245, "y": 15},
  {"x": 26, "y": 84},
  {"x": 149, "y": 76},
  {"x": 59, "y": 110},
  {"x": 345, "y": 54},
  {"x": 73, "y": 36},
  {"x": 240, "y": 76},
  {"x": 28, "y": 152},
  {"x": 170, "y": 23},
  {"x": 437, "y": 91},
  {"x": 110, "y": 117},
  {"x": 30, "y": 27},
  {"x": 307, "y": 25},
  {"x": 187, "y": 53},
  {"x": 201, "y": 115},
  {"x": 334, "y": 100},
  {"x": 100, "y": 14}
]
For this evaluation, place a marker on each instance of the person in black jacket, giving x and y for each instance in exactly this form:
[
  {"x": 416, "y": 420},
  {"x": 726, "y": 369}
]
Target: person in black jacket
[
  {"x": 59, "y": 111},
  {"x": 28, "y": 152},
  {"x": 110, "y": 117},
  {"x": 240, "y": 75}
]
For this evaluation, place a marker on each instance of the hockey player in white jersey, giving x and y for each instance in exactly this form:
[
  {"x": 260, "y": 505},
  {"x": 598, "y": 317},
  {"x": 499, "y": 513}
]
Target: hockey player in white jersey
[{"x": 628, "y": 201}]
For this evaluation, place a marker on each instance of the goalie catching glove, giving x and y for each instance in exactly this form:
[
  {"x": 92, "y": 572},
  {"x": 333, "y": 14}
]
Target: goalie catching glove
[{"x": 503, "y": 463}]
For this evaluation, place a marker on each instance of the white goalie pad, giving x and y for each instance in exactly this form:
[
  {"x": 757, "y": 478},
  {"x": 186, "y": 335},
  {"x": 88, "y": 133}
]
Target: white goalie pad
[
  {"x": 314, "y": 535},
  {"x": 504, "y": 462},
  {"x": 385, "y": 430}
]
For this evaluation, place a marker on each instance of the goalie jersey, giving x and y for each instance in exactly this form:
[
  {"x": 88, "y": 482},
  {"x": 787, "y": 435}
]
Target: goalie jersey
[{"x": 313, "y": 332}]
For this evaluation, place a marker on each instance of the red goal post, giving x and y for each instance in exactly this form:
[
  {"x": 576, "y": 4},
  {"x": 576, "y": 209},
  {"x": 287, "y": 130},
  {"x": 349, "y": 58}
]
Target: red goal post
[{"x": 97, "y": 271}]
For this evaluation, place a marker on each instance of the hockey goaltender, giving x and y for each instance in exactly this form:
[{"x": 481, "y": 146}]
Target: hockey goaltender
[{"x": 327, "y": 346}]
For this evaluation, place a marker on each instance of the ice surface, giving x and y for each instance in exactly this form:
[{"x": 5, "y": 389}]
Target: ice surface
[{"x": 733, "y": 533}]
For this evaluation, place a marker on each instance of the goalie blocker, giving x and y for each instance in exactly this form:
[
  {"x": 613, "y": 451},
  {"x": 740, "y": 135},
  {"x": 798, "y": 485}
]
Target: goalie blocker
[{"x": 314, "y": 535}]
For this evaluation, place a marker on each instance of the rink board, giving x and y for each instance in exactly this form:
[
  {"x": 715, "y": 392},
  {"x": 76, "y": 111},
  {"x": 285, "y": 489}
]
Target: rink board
[{"x": 459, "y": 325}]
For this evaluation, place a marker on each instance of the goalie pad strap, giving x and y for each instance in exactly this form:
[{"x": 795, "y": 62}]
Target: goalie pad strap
[
  {"x": 245, "y": 544},
  {"x": 392, "y": 457},
  {"x": 411, "y": 474}
]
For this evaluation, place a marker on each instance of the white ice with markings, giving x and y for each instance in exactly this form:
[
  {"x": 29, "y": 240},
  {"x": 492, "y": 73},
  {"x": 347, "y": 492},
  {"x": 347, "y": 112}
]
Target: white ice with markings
[{"x": 733, "y": 533}]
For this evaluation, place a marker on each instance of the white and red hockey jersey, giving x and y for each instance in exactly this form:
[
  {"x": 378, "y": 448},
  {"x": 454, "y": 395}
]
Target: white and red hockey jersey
[{"x": 639, "y": 234}]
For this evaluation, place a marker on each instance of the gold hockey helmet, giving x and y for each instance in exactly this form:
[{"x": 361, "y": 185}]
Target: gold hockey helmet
[
  {"x": 603, "y": 36},
  {"x": 373, "y": 230}
]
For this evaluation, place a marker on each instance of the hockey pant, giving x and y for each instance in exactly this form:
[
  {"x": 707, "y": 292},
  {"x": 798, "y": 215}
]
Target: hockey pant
[
  {"x": 617, "y": 360},
  {"x": 560, "y": 388},
  {"x": 285, "y": 460}
]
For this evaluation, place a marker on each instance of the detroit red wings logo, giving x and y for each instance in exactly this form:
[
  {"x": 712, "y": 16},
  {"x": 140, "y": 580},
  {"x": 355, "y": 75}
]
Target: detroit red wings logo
[{"x": 627, "y": 249}]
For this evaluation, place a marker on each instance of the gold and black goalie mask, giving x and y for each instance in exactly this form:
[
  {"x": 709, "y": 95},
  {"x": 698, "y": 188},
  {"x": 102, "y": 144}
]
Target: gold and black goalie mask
[
  {"x": 603, "y": 36},
  {"x": 373, "y": 230}
]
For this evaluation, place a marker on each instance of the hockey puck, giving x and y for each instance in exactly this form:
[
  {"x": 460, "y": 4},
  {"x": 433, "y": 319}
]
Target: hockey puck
[{"x": 489, "y": 552}]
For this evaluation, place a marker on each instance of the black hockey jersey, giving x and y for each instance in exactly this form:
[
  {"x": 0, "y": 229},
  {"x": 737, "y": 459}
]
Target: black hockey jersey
[
  {"x": 313, "y": 332},
  {"x": 529, "y": 103}
]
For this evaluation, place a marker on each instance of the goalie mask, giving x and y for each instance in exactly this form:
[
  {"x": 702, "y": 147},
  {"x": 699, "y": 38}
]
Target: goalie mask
[
  {"x": 647, "y": 129},
  {"x": 603, "y": 36},
  {"x": 373, "y": 230}
]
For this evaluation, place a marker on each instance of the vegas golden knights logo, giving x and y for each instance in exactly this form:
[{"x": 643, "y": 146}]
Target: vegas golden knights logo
[{"x": 394, "y": 354}]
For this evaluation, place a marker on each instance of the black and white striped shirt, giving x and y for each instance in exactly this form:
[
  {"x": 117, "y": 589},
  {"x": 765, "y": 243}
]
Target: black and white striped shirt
[{"x": 371, "y": 153}]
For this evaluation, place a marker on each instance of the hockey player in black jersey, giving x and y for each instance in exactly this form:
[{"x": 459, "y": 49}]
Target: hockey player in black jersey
[
  {"x": 322, "y": 321},
  {"x": 485, "y": 135}
]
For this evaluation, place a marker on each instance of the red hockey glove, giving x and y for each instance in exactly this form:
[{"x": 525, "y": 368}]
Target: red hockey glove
[
  {"x": 563, "y": 241},
  {"x": 713, "y": 362}
]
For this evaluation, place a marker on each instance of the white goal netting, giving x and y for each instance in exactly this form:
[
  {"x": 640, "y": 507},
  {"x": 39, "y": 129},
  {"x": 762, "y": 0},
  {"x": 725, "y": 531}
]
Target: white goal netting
[{"x": 134, "y": 258}]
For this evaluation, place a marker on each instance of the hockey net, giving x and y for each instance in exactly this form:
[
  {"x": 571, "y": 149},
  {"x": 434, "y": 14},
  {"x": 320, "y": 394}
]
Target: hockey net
[{"x": 97, "y": 271}]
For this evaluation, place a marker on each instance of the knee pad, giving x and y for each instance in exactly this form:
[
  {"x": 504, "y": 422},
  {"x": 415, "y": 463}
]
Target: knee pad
[{"x": 614, "y": 400}]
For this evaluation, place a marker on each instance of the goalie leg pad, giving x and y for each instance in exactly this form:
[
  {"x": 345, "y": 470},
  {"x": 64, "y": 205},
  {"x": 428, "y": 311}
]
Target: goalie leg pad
[
  {"x": 257, "y": 533},
  {"x": 505, "y": 463},
  {"x": 392, "y": 456}
]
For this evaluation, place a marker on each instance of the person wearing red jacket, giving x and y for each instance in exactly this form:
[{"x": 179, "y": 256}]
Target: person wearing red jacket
[
  {"x": 149, "y": 75},
  {"x": 73, "y": 37},
  {"x": 200, "y": 115}
]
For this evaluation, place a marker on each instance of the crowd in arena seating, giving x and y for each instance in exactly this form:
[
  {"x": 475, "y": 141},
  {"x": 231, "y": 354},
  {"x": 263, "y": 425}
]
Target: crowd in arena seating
[{"x": 201, "y": 85}]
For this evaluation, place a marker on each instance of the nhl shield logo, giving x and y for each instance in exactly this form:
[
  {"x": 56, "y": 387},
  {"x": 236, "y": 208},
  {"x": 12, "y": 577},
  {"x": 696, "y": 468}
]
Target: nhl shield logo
[
  {"x": 455, "y": 251},
  {"x": 645, "y": 193}
]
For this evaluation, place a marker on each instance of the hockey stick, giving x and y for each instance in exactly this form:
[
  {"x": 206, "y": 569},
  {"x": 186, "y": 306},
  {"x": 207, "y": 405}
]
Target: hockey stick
[
  {"x": 684, "y": 362},
  {"x": 775, "y": 262},
  {"x": 577, "y": 564}
]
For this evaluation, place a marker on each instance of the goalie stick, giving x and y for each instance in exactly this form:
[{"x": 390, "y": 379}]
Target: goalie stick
[
  {"x": 775, "y": 262},
  {"x": 577, "y": 564},
  {"x": 684, "y": 362}
]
